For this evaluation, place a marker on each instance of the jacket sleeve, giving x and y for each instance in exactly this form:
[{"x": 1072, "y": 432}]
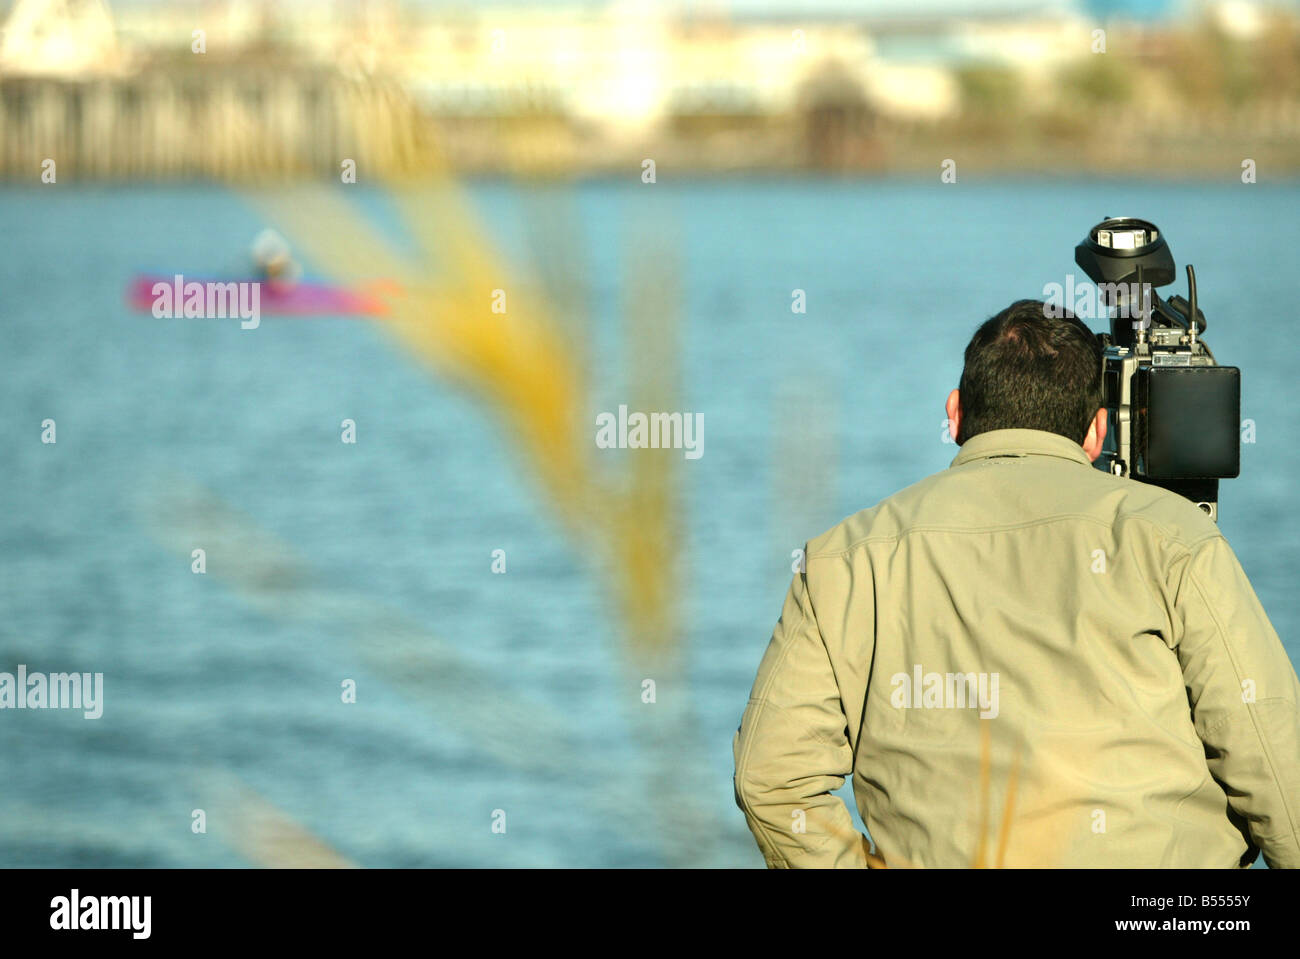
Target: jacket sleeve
[
  {"x": 1243, "y": 693},
  {"x": 792, "y": 749}
]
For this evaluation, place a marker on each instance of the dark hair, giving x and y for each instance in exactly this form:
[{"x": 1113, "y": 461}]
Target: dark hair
[{"x": 1026, "y": 369}]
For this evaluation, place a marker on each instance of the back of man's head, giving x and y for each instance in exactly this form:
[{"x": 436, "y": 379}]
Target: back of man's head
[{"x": 1027, "y": 370}]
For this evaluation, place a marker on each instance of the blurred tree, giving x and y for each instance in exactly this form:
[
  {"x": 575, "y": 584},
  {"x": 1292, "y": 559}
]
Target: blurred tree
[
  {"x": 987, "y": 89},
  {"x": 1100, "y": 80},
  {"x": 1195, "y": 64},
  {"x": 1278, "y": 58}
]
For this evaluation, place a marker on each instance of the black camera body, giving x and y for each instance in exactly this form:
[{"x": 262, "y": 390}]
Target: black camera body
[{"x": 1173, "y": 413}]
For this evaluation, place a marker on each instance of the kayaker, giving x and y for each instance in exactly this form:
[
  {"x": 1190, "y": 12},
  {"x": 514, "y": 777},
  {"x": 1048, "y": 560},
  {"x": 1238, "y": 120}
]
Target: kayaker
[
  {"x": 1022, "y": 660},
  {"x": 274, "y": 260}
]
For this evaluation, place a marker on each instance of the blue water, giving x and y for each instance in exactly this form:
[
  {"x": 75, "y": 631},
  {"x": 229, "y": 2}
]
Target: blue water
[{"x": 478, "y": 692}]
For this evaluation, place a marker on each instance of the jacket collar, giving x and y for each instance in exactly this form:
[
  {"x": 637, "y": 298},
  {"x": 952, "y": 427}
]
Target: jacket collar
[{"x": 1020, "y": 443}]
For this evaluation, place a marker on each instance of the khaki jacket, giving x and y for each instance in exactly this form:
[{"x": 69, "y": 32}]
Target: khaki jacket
[{"x": 1022, "y": 660}]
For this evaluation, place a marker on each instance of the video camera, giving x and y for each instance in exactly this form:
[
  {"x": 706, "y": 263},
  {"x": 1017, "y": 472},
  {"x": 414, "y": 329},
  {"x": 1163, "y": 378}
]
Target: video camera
[{"x": 1174, "y": 414}]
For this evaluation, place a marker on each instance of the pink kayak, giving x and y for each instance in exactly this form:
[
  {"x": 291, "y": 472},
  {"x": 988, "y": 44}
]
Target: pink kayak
[{"x": 298, "y": 299}]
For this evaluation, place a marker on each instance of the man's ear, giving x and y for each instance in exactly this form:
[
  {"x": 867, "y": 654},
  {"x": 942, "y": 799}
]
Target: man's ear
[
  {"x": 1096, "y": 438},
  {"x": 953, "y": 406}
]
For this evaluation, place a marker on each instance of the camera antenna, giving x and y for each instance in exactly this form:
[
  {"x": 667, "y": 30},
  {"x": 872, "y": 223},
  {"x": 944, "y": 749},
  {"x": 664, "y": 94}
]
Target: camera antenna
[{"x": 1192, "y": 325}]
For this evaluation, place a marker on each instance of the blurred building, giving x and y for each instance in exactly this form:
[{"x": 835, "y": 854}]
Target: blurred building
[
  {"x": 235, "y": 88},
  {"x": 60, "y": 38}
]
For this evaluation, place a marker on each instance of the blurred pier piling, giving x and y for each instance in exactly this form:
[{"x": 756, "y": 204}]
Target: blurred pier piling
[{"x": 228, "y": 123}]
